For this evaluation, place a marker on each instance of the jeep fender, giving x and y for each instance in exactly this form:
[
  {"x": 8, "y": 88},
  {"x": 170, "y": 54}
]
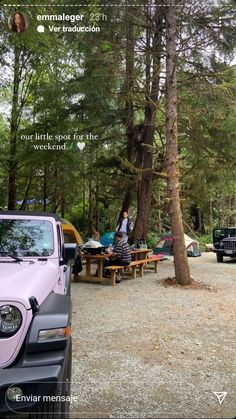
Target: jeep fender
[{"x": 54, "y": 313}]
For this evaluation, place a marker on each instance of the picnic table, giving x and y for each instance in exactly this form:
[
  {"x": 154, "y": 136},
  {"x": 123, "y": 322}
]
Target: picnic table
[
  {"x": 140, "y": 253},
  {"x": 139, "y": 257},
  {"x": 89, "y": 277}
]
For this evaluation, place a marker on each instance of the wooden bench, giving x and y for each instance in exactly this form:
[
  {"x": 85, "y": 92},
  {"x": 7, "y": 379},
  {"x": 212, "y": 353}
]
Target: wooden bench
[
  {"x": 137, "y": 264},
  {"x": 132, "y": 268},
  {"x": 153, "y": 261},
  {"x": 125, "y": 269},
  {"x": 113, "y": 270}
]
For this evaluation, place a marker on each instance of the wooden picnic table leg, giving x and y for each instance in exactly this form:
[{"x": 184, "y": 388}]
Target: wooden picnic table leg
[
  {"x": 100, "y": 269},
  {"x": 155, "y": 266},
  {"x": 134, "y": 272},
  {"x": 141, "y": 270},
  {"x": 113, "y": 278},
  {"x": 88, "y": 267},
  {"x": 76, "y": 278}
]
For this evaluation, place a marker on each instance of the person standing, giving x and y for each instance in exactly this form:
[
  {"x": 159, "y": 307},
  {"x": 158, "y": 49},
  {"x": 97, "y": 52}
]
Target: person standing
[
  {"x": 121, "y": 255},
  {"x": 125, "y": 225}
]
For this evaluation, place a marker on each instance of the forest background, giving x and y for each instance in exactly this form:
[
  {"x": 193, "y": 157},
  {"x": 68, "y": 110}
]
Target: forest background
[{"x": 104, "y": 93}]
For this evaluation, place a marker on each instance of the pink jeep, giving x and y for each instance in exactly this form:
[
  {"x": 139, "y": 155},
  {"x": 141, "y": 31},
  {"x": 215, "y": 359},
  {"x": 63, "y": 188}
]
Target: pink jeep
[{"x": 35, "y": 315}]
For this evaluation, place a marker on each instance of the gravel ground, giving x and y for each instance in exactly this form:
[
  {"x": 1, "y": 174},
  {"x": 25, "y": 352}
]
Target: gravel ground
[{"x": 142, "y": 350}]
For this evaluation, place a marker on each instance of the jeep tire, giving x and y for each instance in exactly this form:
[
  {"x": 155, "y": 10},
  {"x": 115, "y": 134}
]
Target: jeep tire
[{"x": 219, "y": 257}]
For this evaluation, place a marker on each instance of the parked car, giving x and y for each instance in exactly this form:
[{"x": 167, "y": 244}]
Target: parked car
[
  {"x": 224, "y": 242},
  {"x": 35, "y": 314}
]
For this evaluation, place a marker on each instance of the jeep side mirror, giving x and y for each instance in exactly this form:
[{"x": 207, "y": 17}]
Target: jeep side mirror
[{"x": 70, "y": 252}]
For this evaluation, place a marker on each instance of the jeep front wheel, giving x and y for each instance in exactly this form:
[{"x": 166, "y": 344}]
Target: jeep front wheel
[{"x": 219, "y": 258}]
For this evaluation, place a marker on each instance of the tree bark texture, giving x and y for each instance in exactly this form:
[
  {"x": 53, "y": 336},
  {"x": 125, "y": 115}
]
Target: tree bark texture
[
  {"x": 182, "y": 272},
  {"x": 26, "y": 195},
  {"x": 145, "y": 157},
  {"x": 45, "y": 177},
  {"x": 129, "y": 103},
  {"x": 12, "y": 164}
]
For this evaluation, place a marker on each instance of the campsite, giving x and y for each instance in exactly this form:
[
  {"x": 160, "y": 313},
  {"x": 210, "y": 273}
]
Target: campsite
[
  {"x": 118, "y": 194},
  {"x": 145, "y": 350},
  {"x": 165, "y": 245}
]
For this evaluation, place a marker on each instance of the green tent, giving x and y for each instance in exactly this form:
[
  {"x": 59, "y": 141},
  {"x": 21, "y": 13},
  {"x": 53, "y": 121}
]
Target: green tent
[{"x": 165, "y": 245}]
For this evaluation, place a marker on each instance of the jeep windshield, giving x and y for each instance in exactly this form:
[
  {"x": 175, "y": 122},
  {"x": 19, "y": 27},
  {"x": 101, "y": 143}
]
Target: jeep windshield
[
  {"x": 222, "y": 233},
  {"x": 26, "y": 238}
]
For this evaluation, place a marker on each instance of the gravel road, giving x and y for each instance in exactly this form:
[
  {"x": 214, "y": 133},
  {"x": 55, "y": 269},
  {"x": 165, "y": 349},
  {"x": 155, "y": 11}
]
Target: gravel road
[{"x": 142, "y": 350}]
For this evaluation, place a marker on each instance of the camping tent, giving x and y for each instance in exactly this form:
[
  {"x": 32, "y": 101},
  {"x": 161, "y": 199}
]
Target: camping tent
[
  {"x": 70, "y": 233},
  {"x": 165, "y": 245},
  {"x": 108, "y": 238}
]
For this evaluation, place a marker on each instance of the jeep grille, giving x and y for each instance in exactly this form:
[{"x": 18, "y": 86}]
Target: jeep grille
[{"x": 230, "y": 245}]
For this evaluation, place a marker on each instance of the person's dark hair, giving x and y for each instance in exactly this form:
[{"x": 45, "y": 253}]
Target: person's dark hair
[
  {"x": 22, "y": 25},
  {"x": 119, "y": 234}
]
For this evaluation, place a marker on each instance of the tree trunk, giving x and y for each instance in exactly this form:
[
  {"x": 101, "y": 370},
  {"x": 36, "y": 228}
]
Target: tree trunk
[
  {"x": 90, "y": 209},
  {"x": 24, "y": 202},
  {"x": 210, "y": 216},
  {"x": 63, "y": 204},
  {"x": 129, "y": 84},
  {"x": 200, "y": 220},
  {"x": 97, "y": 212},
  {"x": 129, "y": 105},
  {"x": 159, "y": 221},
  {"x": 45, "y": 178},
  {"x": 126, "y": 203},
  {"x": 83, "y": 189},
  {"x": 13, "y": 133},
  {"x": 109, "y": 218},
  {"x": 234, "y": 215},
  {"x": 146, "y": 150},
  {"x": 182, "y": 272}
]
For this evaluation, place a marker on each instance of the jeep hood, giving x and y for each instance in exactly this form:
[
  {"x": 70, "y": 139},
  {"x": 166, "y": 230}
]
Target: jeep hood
[{"x": 20, "y": 281}]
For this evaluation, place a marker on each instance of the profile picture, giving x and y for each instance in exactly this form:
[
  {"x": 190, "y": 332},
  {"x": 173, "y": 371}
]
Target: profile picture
[{"x": 18, "y": 22}]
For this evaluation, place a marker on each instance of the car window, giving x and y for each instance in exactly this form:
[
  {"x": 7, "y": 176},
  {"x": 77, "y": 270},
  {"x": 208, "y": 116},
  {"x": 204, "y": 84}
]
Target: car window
[
  {"x": 218, "y": 233},
  {"x": 26, "y": 237}
]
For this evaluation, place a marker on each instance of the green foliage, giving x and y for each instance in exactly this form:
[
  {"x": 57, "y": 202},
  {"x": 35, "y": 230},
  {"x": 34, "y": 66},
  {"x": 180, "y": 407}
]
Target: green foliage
[
  {"x": 152, "y": 240},
  {"x": 77, "y": 85},
  {"x": 203, "y": 240}
]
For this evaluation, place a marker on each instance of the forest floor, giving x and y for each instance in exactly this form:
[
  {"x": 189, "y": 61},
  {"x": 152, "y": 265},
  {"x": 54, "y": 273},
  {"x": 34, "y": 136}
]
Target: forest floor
[{"x": 143, "y": 350}]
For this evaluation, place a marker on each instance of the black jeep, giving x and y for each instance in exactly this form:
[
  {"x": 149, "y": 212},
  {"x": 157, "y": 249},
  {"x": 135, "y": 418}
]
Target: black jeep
[{"x": 224, "y": 241}]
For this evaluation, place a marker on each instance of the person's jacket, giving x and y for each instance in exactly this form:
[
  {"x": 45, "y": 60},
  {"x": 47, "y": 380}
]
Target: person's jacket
[{"x": 129, "y": 225}]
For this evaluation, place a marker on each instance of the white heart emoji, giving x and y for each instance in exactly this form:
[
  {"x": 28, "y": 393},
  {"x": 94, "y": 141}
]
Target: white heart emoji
[{"x": 80, "y": 145}]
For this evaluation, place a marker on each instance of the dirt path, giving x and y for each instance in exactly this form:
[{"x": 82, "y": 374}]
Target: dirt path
[{"x": 141, "y": 350}]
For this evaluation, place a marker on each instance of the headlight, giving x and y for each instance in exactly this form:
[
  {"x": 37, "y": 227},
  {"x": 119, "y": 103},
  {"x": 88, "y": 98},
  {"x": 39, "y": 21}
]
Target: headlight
[
  {"x": 10, "y": 320},
  {"x": 221, "y": 244}
]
